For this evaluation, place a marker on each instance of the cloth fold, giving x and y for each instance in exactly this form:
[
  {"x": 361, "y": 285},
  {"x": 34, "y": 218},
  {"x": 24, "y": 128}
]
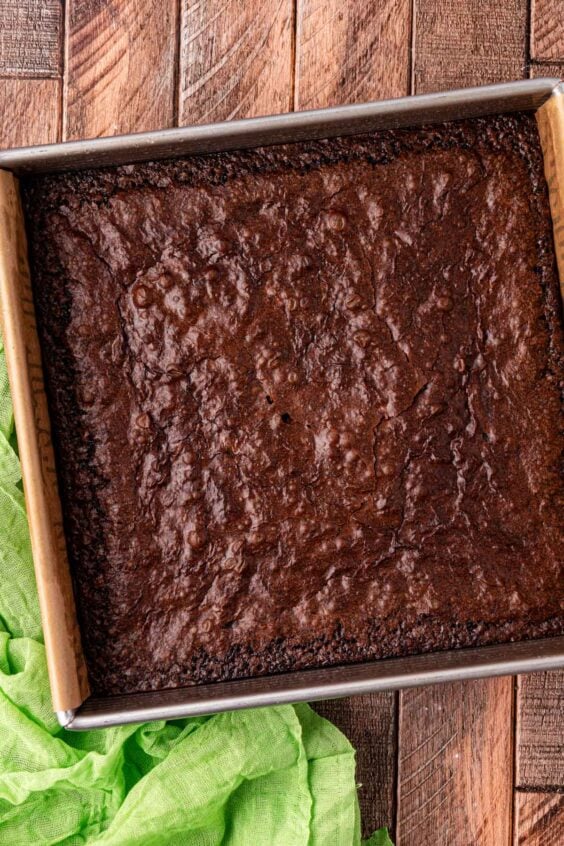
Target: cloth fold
[{"x": 280, "y": 776}]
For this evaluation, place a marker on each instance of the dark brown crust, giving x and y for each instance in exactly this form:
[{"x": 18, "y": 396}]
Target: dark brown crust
[{"x": 306, "y": 401}]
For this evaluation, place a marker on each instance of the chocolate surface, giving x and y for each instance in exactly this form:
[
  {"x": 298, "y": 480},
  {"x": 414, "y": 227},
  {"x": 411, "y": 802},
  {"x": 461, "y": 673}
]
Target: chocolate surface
[{"x": 306, "y": 401}]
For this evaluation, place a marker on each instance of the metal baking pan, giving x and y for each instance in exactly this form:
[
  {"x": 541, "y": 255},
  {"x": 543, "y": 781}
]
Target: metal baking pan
[{"x": 75, "y": 708}]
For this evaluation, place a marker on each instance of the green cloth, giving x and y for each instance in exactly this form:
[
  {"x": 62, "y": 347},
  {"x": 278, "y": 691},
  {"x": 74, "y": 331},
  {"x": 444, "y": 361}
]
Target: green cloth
[{"x": 271, "y": 776}]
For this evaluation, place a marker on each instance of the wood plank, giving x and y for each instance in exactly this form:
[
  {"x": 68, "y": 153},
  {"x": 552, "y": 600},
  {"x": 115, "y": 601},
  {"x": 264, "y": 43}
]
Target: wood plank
[
  {"x": 31, "y": 38},
  {"x": 540, "y": 731},
  {"x": 456, "y": 764},
  {"x": 471, "y": 43},
  {"x": 369, "y": 722},
  {"x": 120, "y": 67},
  {"x": 539, "y": 819},
  {"x": 30, "y": 111},
  {"x": 236, "y": 59},
  {"x": 547, "y": 29},
  {"x": 351, "y": 52}
]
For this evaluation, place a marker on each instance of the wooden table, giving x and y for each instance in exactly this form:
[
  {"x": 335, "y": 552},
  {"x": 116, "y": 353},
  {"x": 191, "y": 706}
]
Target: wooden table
[{"x": 455, "y": 765}]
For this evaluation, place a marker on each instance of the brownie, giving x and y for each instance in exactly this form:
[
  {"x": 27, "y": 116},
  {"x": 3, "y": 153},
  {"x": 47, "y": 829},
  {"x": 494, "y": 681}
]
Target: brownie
[{"x": 306, "y": 401}]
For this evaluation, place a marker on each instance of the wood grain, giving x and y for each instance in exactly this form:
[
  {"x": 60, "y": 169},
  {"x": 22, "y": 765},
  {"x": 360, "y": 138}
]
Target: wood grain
[
  {"x": 369, "y": 722},
  {"x": 30, "y": 111},
  {"x": 540, "y": 731},
  {"x": 547, "y": 29},
  {"x": 455, "y": 765},
  {"x": 31, "y": 38},
  {"x": 351, "y": 52},
  {"x": 539, "y": 819},
  {"x": 120, "y": 66},
  {"x": 236, "y": 59},
  {"x": 471, "y": 43}
]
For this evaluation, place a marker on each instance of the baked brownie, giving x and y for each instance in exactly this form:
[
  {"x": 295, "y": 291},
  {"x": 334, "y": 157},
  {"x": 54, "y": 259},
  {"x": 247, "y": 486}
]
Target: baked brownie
[{"x": 306, "y": 401}]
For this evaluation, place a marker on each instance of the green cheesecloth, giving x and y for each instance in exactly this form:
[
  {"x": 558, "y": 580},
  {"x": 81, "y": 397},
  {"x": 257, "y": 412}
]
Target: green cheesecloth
[{"x": 279, "y": 776}]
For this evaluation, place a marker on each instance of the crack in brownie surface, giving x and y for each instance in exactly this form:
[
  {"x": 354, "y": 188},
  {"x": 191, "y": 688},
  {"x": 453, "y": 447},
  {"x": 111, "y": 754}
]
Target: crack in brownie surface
[{"x": 306, "y": 401}]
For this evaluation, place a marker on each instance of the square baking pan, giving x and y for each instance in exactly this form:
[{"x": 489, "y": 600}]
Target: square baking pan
[{"x": 75, "y": 707}]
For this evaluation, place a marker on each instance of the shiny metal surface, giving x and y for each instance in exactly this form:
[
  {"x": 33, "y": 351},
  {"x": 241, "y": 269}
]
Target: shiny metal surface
[
  {"x": 276, "y": 129},
  {"x": 331, "y": 682}
]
